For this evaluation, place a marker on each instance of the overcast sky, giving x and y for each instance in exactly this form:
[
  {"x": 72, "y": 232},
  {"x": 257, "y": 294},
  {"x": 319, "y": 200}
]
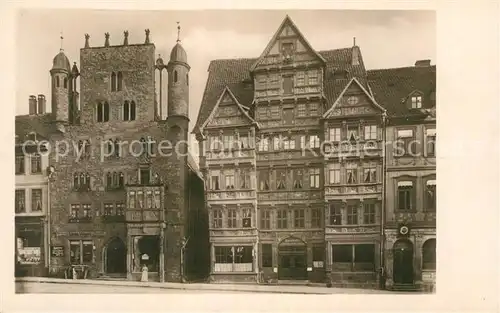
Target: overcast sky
[{"x": 386, "y": 38}]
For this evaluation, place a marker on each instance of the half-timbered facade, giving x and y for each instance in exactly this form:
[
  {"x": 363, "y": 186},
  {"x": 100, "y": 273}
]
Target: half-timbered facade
[{"x": 292, "y": 147}]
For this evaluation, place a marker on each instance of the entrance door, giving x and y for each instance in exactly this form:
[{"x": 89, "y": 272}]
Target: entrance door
[
  {"x": 116, "y": 257},
  {"x": 403, "y": 262},
  {"x": 292, "y": 262}
]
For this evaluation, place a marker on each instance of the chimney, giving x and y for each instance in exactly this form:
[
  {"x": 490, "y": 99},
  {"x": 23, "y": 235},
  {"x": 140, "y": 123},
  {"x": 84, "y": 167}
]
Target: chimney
[
  {"x": 355, "y": 53},
  {"x": 41, "y": 104},
  {"x": 423, "y": 63},
  {"x": 32, "y": 105}
]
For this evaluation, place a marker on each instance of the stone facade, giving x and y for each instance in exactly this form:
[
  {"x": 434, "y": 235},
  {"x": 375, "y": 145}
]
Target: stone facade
[{"x": 125, "y": 192}]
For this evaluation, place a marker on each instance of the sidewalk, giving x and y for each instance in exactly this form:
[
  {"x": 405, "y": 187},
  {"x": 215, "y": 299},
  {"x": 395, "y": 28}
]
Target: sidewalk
[{"x": 289, "y": 289}]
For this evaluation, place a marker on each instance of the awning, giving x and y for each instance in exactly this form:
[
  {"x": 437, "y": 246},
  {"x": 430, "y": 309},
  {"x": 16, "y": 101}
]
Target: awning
[
  {"x": 431, "y": 182},
  {"x": 430, "y": 132},
  {"x": 405, "y": 184}
]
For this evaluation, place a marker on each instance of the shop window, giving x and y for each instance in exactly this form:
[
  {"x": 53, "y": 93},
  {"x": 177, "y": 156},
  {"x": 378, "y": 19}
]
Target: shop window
[
  {"x": 267, "y": 255},
  {"x": 233, "y": 259},
  {"x": 429, "y": 255},
  {"x": 81, "y": 252},
  {"x": 29, "y": 244},
  {"x": 359, "y": 257},
  {"x": 364, "y": 257}
]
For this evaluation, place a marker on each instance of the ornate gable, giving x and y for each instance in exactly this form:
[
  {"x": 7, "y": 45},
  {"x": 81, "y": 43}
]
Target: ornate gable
[
  {"x": 354, "y": 100},
  {"x": 288, "y": 46},
  {"x": 228, "y": 112}
]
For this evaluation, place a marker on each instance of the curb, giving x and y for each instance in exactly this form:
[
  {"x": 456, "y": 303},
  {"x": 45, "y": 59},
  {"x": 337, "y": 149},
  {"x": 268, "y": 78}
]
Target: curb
[{"x": 200, "y": 287}]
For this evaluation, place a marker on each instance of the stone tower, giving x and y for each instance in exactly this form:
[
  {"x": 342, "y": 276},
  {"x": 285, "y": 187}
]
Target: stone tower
[
  {"x": 178, "y": 87},
  {"x": 60, "y": 74}
]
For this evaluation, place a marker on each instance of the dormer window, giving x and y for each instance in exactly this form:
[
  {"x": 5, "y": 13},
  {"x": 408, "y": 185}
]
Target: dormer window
[{"x": 416, "y": 102}]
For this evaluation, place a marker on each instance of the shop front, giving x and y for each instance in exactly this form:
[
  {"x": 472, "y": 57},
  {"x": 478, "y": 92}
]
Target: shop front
[{"x": 30, "y": 246}]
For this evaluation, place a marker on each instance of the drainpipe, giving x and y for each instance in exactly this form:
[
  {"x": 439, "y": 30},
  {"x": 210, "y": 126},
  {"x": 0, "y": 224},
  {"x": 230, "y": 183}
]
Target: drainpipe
[
  {"x": 47, "y": 219},
  {"x": 162, "y": 242},
  {"x": 382, "y": 212}
]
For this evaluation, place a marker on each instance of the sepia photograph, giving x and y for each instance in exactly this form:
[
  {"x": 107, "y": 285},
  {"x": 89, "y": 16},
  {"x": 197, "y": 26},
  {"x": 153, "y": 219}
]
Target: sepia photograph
[{"x": 294, "y": 153}]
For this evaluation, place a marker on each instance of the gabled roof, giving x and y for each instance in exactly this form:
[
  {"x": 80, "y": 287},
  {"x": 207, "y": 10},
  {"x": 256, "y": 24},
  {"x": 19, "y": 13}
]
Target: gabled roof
[
  {"x": 353, "y": 80},
  {"x": 235, "y": 74},
  {"x": 40, "y": 124},
  {"x": 243, "y": 109},
  {"x": 391, "y": 87},
  {"x": 286, "y": 22}
]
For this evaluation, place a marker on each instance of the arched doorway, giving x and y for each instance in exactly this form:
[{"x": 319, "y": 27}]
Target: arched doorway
[
  {"x": 292, "y": 257},
  {"x": 429, "y": 254},
  {"x": 116, "y": 257},
  {"x": 403, "y": 262}
]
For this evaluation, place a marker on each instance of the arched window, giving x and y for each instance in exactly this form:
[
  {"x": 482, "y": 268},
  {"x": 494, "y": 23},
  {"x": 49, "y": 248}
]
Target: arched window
[
  {"x": 117, "y": 148},
  {"x": 126, "y": 111},
  {"x": 119, "y": 81},
  {"x": 106, "y": 112},
  {"x": 99, "y": 112},
  {"x": 113, "y": 81},
  {"x": 175, "y": 76},
  {"x": 109, "y": 147},
  {"x": 429, "y": 255},
  {"x": 65, "y": 82},
  {"x": 75, "y": 181},
  {"x": 132, "y": 111},
  {"x": 109, "y": 181},
  {"x": 57, "y": 81},
  {"x": 121, "y": 180}
]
